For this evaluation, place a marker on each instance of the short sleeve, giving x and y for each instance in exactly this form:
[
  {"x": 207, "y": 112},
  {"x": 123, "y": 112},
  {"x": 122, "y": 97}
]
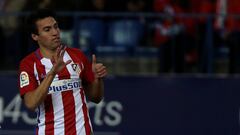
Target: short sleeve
[
  {"x": 27, "y": 80},
  {"x": 88, "y": 75}
]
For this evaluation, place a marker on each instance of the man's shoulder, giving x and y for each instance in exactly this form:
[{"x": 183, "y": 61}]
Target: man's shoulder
[{"x": 29, "y": 58}]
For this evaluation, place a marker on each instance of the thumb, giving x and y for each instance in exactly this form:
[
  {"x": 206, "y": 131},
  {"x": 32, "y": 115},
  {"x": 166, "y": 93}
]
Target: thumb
[{"x": 94, "y": 59}]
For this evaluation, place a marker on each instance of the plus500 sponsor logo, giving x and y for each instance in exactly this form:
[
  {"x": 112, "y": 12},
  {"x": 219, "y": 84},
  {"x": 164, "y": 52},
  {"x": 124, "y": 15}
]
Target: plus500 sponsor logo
[{"x": 66, "y": 86}]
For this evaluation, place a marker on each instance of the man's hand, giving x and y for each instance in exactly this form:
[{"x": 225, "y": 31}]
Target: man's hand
[
  {"x": 95, "y": 90},
  {"x": 98, "y": 68},
  {"x": 57, "y": 60},
  {"x": 35, "y": 97}
]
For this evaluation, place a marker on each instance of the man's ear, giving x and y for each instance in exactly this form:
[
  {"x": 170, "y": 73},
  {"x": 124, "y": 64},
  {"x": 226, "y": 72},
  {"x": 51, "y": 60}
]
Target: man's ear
[{"x": 34, "y": 37}]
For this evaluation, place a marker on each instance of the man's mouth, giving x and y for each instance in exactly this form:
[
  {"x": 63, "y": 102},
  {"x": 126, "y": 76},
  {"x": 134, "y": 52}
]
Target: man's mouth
[{"x": 56, "y": 39}]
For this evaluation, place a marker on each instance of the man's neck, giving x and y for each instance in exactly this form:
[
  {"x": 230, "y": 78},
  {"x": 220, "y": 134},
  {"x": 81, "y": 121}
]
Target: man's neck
[{"x": 47, "y": 53}]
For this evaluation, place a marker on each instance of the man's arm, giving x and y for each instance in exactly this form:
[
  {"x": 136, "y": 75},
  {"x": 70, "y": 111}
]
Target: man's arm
[
  {"x": 34, "y": 98},
  {"x": 95, "y": 90}
]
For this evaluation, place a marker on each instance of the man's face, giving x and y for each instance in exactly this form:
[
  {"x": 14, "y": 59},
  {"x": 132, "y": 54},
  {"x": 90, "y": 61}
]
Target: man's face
[{"x": 48, "y": 36}]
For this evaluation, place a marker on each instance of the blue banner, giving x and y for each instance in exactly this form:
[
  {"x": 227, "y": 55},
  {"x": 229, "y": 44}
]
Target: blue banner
[{"x": 165, "y": 105}]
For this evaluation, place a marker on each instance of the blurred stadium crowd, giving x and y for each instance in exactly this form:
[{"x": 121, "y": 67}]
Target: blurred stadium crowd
[{"x": 135, "y": 37}]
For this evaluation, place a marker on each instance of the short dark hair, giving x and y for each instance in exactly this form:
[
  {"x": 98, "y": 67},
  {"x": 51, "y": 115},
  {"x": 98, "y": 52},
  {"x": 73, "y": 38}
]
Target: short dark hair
[{"x": 35, "y": 16}]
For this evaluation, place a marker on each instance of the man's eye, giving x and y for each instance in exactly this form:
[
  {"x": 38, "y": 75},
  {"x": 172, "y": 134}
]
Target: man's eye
[{"x": 46, "y": 30}]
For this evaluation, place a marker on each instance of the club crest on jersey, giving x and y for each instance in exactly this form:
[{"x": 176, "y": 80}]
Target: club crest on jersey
[
  {"x": 76, "y": 68},
  {"x": 24, "y": 79}
]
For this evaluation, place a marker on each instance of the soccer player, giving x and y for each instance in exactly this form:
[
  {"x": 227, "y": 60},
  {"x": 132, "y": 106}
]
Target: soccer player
[{"x": 55, "y": 80}]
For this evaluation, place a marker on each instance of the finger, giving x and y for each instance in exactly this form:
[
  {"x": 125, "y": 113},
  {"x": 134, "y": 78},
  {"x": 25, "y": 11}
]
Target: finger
[
  {"x": 98, "y": 65},
  {"x": 61, "y": 54},
  {"x": 62, "y": 51},
  {"x": 58, "y": 51},
  {"x": 103, "y": 74},
  {"x": 94, "y": 60},
  {"x": 68, "y": 62},
  {"x": 100, "y": 69}
]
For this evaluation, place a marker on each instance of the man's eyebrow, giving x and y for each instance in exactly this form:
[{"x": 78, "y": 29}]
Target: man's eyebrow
[{"x": 47, "y": 27}]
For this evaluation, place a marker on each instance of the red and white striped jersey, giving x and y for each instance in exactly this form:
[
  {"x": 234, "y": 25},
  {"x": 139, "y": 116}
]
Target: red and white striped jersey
[{"x": 64, "y": 111}]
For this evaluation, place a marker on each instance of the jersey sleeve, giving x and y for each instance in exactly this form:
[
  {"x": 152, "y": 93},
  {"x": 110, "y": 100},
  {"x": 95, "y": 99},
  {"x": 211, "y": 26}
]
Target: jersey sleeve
[
  {"x": 27, "y": 80},
  {"x": 88, "y": 75}
]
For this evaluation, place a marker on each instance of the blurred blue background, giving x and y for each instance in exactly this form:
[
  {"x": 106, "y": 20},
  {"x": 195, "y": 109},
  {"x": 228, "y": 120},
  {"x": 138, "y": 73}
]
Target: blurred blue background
[{"x": 173, "y": 64}]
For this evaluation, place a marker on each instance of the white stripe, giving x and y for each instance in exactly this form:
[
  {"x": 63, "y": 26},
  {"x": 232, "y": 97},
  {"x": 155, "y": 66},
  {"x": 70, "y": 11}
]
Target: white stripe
[
  {"x": 58, "y": 113},
  {"x": 79, "y": 113},
  {"x": 36, "y": 73},
  {"x": 48, "y": 65}
]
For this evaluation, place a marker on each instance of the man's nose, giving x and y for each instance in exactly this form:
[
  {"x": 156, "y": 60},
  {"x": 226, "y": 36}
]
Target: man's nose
[{"x": 55, "y": 32}]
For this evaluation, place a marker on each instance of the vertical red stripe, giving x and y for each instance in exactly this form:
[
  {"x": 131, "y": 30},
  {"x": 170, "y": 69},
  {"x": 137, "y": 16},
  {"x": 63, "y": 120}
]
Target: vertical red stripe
[
  {"x": 85, "y": 113},
  {"x": 68, "y": 106},
  {"x": 49, "y": 116},
  {"x": 69, "y": 113},
  {"x": 37, "y": 131}
]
